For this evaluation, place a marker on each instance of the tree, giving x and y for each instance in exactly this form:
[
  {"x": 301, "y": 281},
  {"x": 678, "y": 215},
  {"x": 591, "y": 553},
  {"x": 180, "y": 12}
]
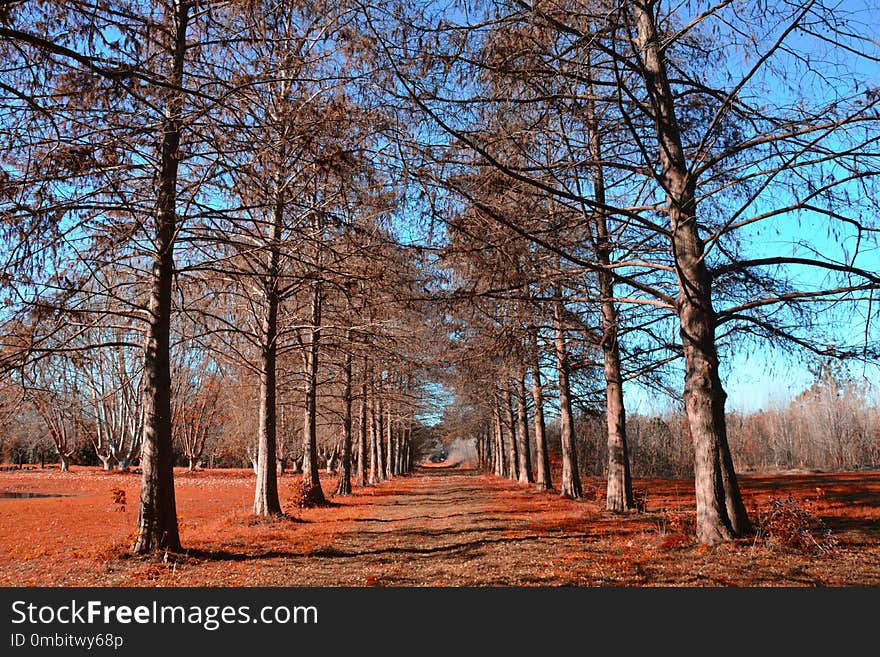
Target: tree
[
  {"x": 54, "y": 394},
  {"x": 196, "y": 403}
]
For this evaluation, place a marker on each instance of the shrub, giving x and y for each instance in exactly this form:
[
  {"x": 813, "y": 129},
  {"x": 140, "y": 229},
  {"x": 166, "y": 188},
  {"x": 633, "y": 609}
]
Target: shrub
[{"x": 785, "y": 523}]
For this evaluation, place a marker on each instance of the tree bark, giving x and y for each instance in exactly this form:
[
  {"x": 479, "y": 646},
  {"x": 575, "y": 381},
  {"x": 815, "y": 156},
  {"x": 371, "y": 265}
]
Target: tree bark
[
  {"x": 311, "y": 476},
  {"x": 571, "y": 480},
  {"x": 389, "y": 445},
  {"x": 266, "y": 502},
  {"x": 407, "y": 449},
  {"x": 510, "y": 422},
  {"x": 522, "y": 433},
  {"x": 374, "y": 452},
  {"x": 157, "y": 527},
  {"x": 721, "y": 514},
  {"x": 619, "y": 495},
  {"x": 379, "y": 433},
  {"x": 361, "y": 470},
  {"x": 542, "y": 457},
  {"x": 499, "y": 463},
  {"x": 344, "y": 486}
]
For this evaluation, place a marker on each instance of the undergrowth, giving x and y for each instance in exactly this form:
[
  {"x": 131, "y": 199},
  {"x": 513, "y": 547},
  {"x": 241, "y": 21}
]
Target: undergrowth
[{"x": 784, "y": 523}]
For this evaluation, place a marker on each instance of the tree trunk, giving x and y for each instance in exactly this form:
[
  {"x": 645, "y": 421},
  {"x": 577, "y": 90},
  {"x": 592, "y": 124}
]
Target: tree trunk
[
  {"x": 721, "y": 514},
  {"x": 389, "y": 444},
  {"x": 542, "y": 457},
  {"x": 571, "y": 481},
  {"x": 157, "y": 516},
  {"x": 374, "y": 452},
  {"x": 619, "y": 496},
  {"x": 65, "y": 462},
  {"x": 379, "y": 433},
  {"x": 407, "y": 444},
  {"x": 399, "y": 439},
  {"x": 344, "y": 487},
  {"x": 391, "y": 434},
  {"x": 522, "y": 433},
  {"x": 500, "y": 461},
  {"x": 490, "y": 448},
  {"x": 512, "y": 455},
  {"x": 266, "y": 502},
  {"x": 311, "y": 476},
  {"x": 361, "y": 471},
  {"x": 407, "y": 448}
]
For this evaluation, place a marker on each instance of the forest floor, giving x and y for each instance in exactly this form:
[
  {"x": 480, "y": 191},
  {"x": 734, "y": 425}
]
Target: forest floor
[{"x": 438, "y": 527}]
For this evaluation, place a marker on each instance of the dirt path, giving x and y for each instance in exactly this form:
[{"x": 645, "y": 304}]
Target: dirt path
[
  {"x": 438, "y": 527},
  {"x": 455, "y": 527}
]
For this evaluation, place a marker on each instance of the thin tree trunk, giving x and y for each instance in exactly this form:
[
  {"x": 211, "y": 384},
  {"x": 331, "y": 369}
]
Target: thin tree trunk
[
  {"x": 512, "y": 455},
  {"x": 490, "y": 448},
  {"x": 407, "y": 447},
  {"x": 411, "y": 450},
  {"x": 374, "y": 451},
  {"x": 542, "y": 457},
  {"x": 500, "y": 461},
  {"x": 379, "y": 432},
  {"x": 157, "y": 527},
  {"x": 571, "y": 481},
  {"x": 619, "y": 496},
  {"x": 311, "y": 475},
  {"x": 721, "y": 514},
  {"x": 522, "y": 433},
  {"x": 389, "y": 444},
  {"x": 361, "y": 470},
  {"x": 344, "y": 487}
]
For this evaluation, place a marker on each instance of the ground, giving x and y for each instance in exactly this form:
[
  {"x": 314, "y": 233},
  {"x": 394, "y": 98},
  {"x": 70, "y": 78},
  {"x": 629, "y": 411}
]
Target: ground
[{"x": 437, "y": 527}]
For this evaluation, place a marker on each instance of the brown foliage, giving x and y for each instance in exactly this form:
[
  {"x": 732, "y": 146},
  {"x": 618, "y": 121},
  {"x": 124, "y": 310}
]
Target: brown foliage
[{"x": 785, "y": 523}]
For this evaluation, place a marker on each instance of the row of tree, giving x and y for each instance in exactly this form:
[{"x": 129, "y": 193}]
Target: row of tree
[
  {"x": 195, "y": 202},
  {"x": 637, "y": 188},
  {"x": 598, "y": 181}
]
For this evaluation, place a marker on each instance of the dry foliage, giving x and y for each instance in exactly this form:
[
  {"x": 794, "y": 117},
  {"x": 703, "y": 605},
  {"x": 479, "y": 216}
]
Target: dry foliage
[{"x": 785, "y": 523}]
